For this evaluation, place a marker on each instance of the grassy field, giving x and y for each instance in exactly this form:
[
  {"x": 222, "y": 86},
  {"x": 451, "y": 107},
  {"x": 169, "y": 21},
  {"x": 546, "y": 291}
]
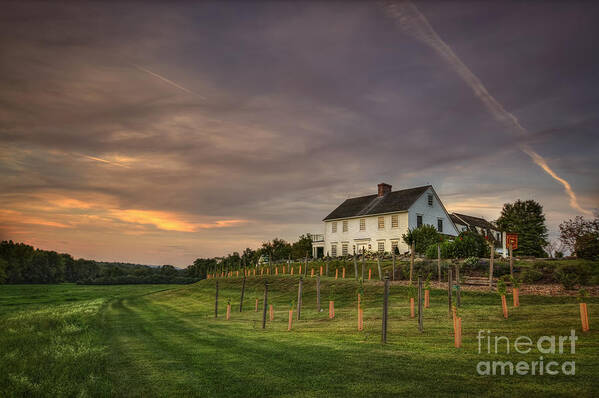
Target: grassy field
[{"x": 68, "y": 340}]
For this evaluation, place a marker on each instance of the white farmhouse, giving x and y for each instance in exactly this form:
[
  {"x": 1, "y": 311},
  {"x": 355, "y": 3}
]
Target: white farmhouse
[{"x": 377, "y": 222}]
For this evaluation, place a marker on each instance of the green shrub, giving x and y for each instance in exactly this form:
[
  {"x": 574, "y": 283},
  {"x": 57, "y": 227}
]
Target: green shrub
[
  {"x": 545, "y": 266},
  {"x": 471, "y": 263},
  {"x": 422, "y": 237},
  {"x": 570, "y": 275},
  {"x": 470, "y": 244},
  {"x": 530, "y": 275},
  {"x": 446, "y": 250}
]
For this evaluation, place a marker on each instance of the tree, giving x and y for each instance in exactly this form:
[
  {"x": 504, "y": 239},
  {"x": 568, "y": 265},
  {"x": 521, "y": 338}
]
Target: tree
[
  {"x": 3, "y": 266},
  {"x": 301, "y": 247},
  {"x": 526, "y": 219},
  {"x": 423, "y": 237},
  {"x": 580, "y": 236}
]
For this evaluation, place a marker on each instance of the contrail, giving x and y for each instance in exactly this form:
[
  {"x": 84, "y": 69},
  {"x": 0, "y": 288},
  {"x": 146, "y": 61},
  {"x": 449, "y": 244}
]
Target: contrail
[
  {"x": 416, "y": 25},
  {"x": 164, "y": 79},
  {"x": 102, "y": 160}
]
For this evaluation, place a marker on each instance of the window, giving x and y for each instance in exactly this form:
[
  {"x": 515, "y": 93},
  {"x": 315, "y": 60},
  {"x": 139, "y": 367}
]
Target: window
[
  {"x": 440, "y": 225},
  {"x": 430, "y": 200},
  {"x": 344, "y": 249},
  {"x": 381, "y": 222},
  {"x": 334, "y": 226},
  {"x": 369, "y": 246},
  {"x": 344, "y": 225},
  {"x": 395, "y": 221},
  {"x": 333, "y": 250},
  {"x": 394, "y": 244},
  {"x": 362, "y": 224},
  {"x": 381, "y": 246},
  {"x": 419, "y": 221}
]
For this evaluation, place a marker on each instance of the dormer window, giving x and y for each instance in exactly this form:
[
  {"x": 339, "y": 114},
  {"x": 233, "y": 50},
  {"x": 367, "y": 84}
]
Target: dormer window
[{"x": 430, "y": 199}]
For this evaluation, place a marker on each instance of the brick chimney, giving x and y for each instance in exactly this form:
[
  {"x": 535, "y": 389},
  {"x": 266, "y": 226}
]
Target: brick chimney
[{"x": 384, "y": 189}]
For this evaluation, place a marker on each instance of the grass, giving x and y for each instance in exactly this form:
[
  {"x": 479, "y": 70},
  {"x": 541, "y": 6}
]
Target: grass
[{"x": 69, "y": 340}]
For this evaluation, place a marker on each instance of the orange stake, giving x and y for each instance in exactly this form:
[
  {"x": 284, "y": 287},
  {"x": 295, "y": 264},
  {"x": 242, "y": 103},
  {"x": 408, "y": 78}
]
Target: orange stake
[
  {"x": 312, "y": 273},
  {"x": 458, "y": 333},
  {"x": 343, "y": 273},
  {"x": 504, "y": 306},
  {"x": 411, "y": 307},
  {"x": 369, "y": 273},
  {"x": 584, "y": 317},
  {"x": 336, "y": 273},
  {"x": 426, "y": 298},
  {"x": 292, "y": 270},
  {"x": 300, "y": 270},
  {"x": 360, "y": 319},
  {"x": 290, "y": 319},
  {"x": 321, "y": 270},
  {"x": 228, "y": 311},
  {"x": 516, "y": 296},
  {"x": 271, "y": 312},
  {"x": 256, "y": 305},
  {"x": 331, "y": 309}
]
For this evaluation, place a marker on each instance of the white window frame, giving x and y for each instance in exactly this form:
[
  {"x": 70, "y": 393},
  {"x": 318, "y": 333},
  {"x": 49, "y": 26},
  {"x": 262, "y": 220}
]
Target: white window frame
[
  {"x": 395, "y": 221},
  {"x": 345, "y": 225},
  {"x": 394, "y": 244},
  {"x": 362, "y": 224},
  {"x": 381, "y": 222},
  {"x": 344, "y": 249},
  {"x": 430, "y": 200},
  {"x": 334, "y": 227},
  {"x": 334, "y": 250},
  {"x": 381, "y": 243}
]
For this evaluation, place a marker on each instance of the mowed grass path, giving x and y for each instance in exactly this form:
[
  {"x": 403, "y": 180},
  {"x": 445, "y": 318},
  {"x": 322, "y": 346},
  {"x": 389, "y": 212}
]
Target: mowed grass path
[{"x": 69, "y": 340}]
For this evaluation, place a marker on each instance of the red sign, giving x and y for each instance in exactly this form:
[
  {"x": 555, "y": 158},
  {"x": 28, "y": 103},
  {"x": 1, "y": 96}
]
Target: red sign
[{"x": 511, "y": 240}]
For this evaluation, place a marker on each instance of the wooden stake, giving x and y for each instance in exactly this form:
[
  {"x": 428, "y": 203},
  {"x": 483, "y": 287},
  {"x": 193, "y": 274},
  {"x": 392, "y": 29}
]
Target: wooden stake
[
  {"x": 242, "y": 294},
  {"x": 369, "y": 273},
  {"x": 265, "y": 304},
  {"x": 331, "y": 309},
  {"x": 427, "y": 298},
  {"x": 449, "y": 289},
  {"x": 299, "y": 297},
  {"x": 228, "y": 311},
  {"x": 360, "y": 319},
  {"x": 318, "y": 293},
  {"x": 336, "y": 273},
  {"x": 439, "y": 261},
  {"x": 516, "y": 296},
  {"x": 385, "y": 309},
  {"x": 458, "y": 333},
  {"x": 363, "y": 262},
  {"x": 292, "y": 270},
  {"x": 511, "y": 261},
  {"x": 216, "y": 302},
  {"x": 290, "y": 319},
  {"x": 412, "y": 313},
  {"x": 271, "y": 312},
  {"x": 458, "y": 292},
  {"x": 276, "y": 270},
  {"x": 491, "y": 259},
  {"x": 412, "y": 260},
  {"x": 321, "y": 270},
  {"x": 312, "y": 273},
  {"x": 355, "y": 265},
  {"x": 343, "y": 273},
  {"x": 420, "y": 303}
]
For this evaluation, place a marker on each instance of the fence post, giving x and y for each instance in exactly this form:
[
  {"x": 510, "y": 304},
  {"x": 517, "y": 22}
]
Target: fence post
[
  {"x": 265, "y": 304},
  {"x": 411, "y": 261},
  {"x": 363, "y": 262},
  {"x": 491, "y": 265},
  {"x": 378, "y": 263},
  {"x": 385, "y": 308},
  {"x": 449, "y": 290},
  {"x": 458, "y": 295},
  {"x": 242, "y": 292},
  {"x": 306, "y": 264},
  {"x": 355, "y": 265},
  {"x": 216, "y": 302},
  {"x": 511, "y": 261},
  {"x": 439, "y": 260},
  {"x": 393, "y": 275},
  {"x": 420, "y": 303},
  {"x": 318, "y": 292},
  {"x": 299, "y": 297}
]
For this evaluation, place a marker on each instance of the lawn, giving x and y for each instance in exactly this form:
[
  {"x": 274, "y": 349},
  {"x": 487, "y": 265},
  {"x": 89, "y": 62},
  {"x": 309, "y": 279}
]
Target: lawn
[{"x": 69, "y": 340}]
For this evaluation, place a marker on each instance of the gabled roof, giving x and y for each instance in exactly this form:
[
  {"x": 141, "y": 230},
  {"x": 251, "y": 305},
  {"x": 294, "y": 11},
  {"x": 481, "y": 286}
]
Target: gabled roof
[
  {"x": 373, "y": 204},
  {"x": 472, "y": 221}
]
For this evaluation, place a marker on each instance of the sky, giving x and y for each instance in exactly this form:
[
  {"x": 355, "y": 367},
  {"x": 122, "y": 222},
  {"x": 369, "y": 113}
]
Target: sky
[{"x": 160, "y": 132}]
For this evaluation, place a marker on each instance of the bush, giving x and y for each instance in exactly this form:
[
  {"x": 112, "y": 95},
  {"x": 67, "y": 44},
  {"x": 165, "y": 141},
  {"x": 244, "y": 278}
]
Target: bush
[
  {"x": 470, "y": 244},
  {"x": 471, "y": 262},
  {"x": 423, "y": 237},
  {"x": 570, "y": 275},
  {"x": 446, "y": 250},
  {"x": 530, "y": 275},
  {"x": 544, "y": 266},
  {"x": 587, "y": 246}
]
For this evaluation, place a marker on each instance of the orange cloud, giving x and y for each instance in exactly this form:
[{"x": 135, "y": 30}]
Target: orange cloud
[
  {"x": 168, "y": 221},
  {"x": 16, "y": 217}
]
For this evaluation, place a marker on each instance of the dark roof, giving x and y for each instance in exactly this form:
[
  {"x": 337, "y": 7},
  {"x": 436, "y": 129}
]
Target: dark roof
[
  {"x": 472, "y": 221},
  {"x": 373, "y": 204}
]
